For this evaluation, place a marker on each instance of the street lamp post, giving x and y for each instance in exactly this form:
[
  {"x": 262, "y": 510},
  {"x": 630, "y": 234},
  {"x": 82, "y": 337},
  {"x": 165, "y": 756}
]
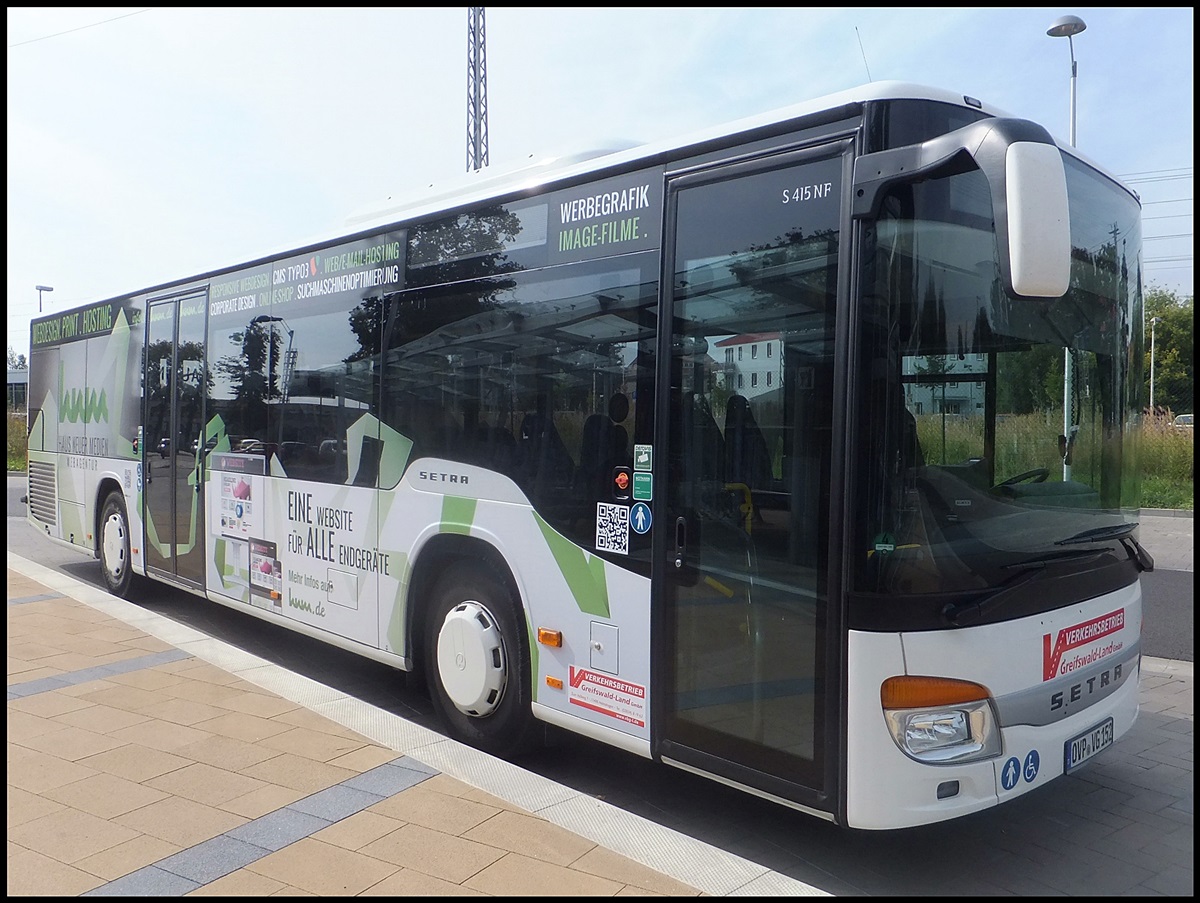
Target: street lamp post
[
  {"x": 40, "y": 289},
  {"x": 1067, "y": 27},
  {"x": 1154, "y": 321}
]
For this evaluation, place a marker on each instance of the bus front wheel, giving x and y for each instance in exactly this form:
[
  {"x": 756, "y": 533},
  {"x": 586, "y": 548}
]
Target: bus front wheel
[
  {"x": 477, "y": 662},
  {"x": 114, "y": 546}
]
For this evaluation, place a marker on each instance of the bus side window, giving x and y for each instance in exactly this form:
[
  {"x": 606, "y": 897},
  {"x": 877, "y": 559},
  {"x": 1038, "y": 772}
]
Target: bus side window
[
  {"x": 494, "y": 447},
  {"x": 433, "y": 431},
  {"x": 604, "y": 445},
  {"x": 708, "y": 464},
  {"x": 747, "y": 459},
  {"x": 543, "y": 460},
  {"x": 910, "y": 443}
]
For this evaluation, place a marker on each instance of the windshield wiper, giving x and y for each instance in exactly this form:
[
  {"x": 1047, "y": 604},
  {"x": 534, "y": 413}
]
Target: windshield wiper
[
  {"x": 963, "y": 612},
  {"x": 1120, "y": 532},
  {"x": 959, "y": 613},
  {"x": 1041, "y": 561},
  {"x": 1099, "y": 534}
]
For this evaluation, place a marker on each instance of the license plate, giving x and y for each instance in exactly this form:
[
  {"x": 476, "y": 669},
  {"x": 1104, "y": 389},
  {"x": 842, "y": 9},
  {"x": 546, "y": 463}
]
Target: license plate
[{"x": 1079, "y": 749}]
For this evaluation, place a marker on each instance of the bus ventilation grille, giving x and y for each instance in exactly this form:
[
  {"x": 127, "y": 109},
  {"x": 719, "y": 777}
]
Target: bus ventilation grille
[{"x": 42, "y": 502}]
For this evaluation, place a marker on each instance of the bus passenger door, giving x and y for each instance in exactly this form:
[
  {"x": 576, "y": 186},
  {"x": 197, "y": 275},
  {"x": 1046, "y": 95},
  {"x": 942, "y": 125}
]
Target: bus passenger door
[
  {"x": 175, "y": 379},
  {"x": 753, "y": 267}
]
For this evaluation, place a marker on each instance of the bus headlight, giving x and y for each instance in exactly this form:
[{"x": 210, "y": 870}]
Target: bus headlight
[{"x": 939, "y": 721}]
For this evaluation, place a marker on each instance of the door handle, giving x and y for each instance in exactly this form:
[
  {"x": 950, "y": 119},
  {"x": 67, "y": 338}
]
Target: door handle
[
  {"x": 201, "y": 457},
  {"x": 680, "y": 540}
]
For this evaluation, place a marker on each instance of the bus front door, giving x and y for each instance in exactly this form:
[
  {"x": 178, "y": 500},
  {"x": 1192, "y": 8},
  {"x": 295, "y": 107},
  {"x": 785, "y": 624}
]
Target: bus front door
[
  {"x": 175, "y": 380},
  {"x": 754, "y": 264}
]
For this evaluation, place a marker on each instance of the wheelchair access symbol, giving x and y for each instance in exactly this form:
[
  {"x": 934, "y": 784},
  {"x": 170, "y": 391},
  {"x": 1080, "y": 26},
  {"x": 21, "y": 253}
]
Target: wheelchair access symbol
[
  {"x": 639, "y": 518},
  {"x": 1014, "y": 770}
]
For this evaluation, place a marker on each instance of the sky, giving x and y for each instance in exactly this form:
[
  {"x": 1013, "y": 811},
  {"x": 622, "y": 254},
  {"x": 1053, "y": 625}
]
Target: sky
[{"x": 148, "y": 145}]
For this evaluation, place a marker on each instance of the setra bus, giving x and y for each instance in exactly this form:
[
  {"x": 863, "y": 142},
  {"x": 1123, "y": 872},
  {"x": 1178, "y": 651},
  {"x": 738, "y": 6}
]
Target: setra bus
[{"x": 800, "y": 454}]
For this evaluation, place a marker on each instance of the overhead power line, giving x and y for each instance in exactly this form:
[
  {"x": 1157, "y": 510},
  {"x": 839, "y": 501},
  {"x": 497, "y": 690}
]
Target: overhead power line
[
  {"x": 1179, "y": 171},
  {"x": 59, "y": 34},
  {"x": 1147, "y": 179}
]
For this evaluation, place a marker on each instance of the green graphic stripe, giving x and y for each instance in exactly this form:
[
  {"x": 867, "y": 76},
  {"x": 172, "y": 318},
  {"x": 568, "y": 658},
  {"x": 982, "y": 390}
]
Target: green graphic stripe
[
  {"x": 215, "y": 428},
  {"x": 152, "y": 539},
  {"x": 219, "y": 561},
  {"x": 235, "y": 581},
  {"x": 395, "y": 628},
  {"x": 458, "y": 513},
  {"x": 584, "y": 576},
  {"x": 122, "y": 335}
]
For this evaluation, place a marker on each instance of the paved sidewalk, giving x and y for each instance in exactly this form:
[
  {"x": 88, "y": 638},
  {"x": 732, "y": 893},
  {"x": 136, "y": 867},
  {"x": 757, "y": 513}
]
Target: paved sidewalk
[
  {"x": 1170, "y": 538},
  {"x": 145, "y": 758}
]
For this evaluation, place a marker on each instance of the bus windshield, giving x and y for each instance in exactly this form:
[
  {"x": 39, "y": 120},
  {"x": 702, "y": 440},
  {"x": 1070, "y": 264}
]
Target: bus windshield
[{"x": 995, "y": 429}]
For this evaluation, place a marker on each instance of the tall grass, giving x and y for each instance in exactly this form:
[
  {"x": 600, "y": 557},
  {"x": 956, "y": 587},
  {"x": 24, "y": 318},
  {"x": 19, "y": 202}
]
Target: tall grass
[
  {"x": 17, "y": 435},
  {"x": 1167, "y": 463},
  {"x": 1162, "y": 453}
]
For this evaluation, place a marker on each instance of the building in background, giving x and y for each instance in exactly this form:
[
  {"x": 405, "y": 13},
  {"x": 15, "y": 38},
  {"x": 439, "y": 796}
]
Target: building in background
[{"x": 18, "y": 389}]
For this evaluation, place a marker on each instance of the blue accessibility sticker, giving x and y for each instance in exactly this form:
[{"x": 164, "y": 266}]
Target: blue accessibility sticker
[
  {"x": 1011, "y": 773},
  {"x": 1032, "y": 762},
  {"x": 639, "y": 518}
]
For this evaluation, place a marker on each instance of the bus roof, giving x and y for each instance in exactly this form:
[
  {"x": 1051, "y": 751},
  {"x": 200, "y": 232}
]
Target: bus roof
[{"x": 484, "y": 185}]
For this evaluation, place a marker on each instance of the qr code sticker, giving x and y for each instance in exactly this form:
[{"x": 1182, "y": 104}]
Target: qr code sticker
[{"x": 612, "y": 528}]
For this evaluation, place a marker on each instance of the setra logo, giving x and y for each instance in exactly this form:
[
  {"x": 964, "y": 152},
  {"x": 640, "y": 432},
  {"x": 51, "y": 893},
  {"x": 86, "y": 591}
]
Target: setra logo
[{"x": 430, "y": 476}]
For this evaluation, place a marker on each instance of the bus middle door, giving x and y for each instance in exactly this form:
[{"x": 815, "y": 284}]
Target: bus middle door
[{"x": 175, "y": 380}]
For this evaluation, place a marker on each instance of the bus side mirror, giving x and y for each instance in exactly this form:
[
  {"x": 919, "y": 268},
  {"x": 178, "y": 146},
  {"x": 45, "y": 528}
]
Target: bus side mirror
[
  {"x": 1038, "y": 233},
  {"x": 1028, "y": 184}
]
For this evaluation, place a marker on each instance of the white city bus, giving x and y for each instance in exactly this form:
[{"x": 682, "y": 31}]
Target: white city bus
[{"x": 799, "y": 454}]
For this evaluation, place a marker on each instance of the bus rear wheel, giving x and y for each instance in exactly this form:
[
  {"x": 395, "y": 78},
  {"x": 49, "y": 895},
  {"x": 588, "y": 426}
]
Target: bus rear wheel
[
  {"x": 115, "y": 554},
  {"x": 477, "y": 663}
]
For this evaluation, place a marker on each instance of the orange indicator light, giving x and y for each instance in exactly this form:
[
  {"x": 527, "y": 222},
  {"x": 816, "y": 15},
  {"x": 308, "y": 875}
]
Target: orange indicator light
[{"x": 928, "y": 692}]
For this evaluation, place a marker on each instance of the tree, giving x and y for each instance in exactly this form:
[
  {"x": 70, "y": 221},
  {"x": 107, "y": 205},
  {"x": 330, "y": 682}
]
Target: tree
[
  {"x": 16, "y": 361},
  {"x": 253, "y": 372},
  {"x": 1174, "y": 358}
]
